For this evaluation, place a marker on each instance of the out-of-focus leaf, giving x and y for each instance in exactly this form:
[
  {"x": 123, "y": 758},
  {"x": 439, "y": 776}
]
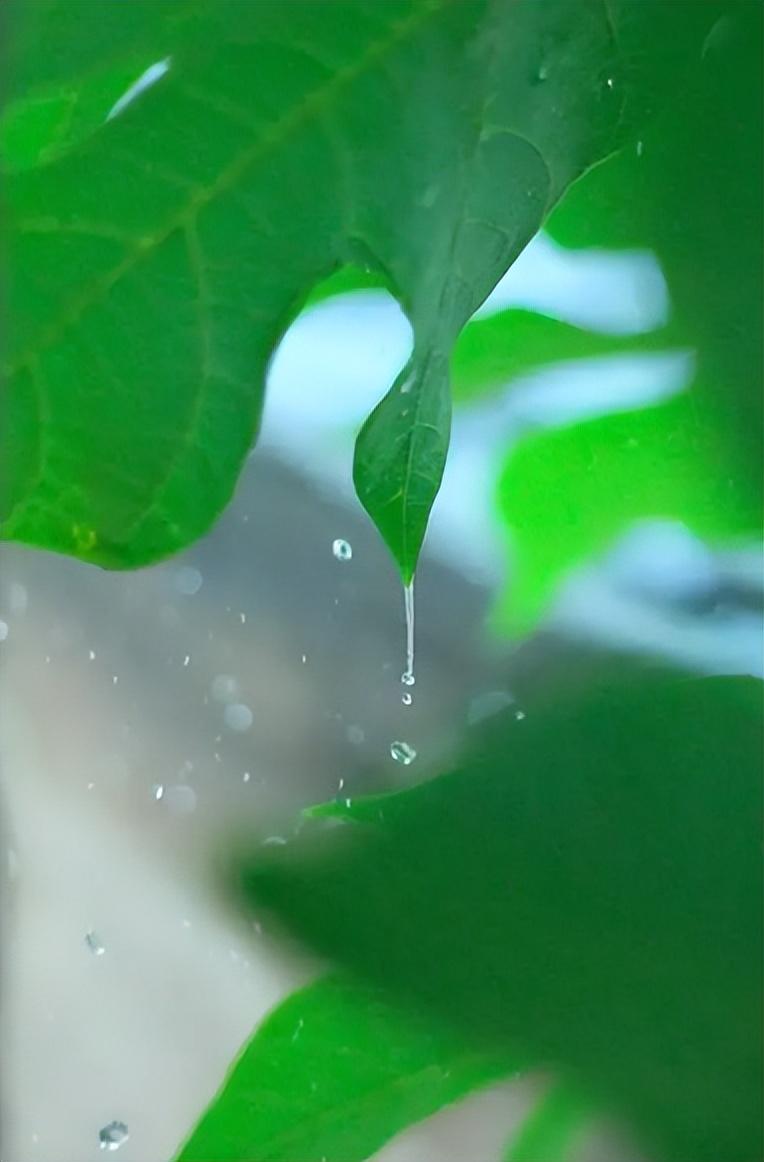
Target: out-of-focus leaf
[
  {"x": 550, "y": 1130},
  {"x": 333, "y": 1072},
  {"x": 155, "y": 264},
  {"x": 493, "y": 351},
  {"x": 690, "y": 187},
  {"x": 586, "y": 889}
]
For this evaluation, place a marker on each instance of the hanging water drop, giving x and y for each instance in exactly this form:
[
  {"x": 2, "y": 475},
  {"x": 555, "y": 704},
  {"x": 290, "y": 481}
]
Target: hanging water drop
[
  {"x": 111, "y": 1137},
  {"x": 342, "y": 550},
  {"x": 93, "y": 942},
  {"x": 402, "y": 752},
  {"x": 407, "y": 677}
]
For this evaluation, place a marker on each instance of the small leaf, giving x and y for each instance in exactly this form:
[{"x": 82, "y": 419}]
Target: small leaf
[{"x": 331, "y": 1075}]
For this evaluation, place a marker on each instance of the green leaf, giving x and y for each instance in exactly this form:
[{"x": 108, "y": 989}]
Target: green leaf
[
  {"x": 154, "y": 266},
  {"x": 549, "y": 1131},
  {"x": 568, "y": 493},
  {"x": 586, "y": 889},
  {"x": 493, "y": 351},
  {"x": 331, "y": 1075}
]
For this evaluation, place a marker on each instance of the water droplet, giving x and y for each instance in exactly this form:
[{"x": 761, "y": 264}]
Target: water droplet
[
  {"x": 158, "y": 791},
  {"x": 406, "y": 698},
  {"x": 519, "y": 715},
  {"x": 402, "y": 752},
  {"x": 187, "y": 660},
  {"x": 342, "y": 550},
  {"x": 486, "y": 705},
  {"x": 610, "y": 82},
  {"x": 91, "y": 655},
  {"x": 542, "y": 72},
  {"x": 242, "y": 617},
  {"x": 304, "y": 659},
  {"x": 224, "y": 688},
  {"x": 114, "y": 679},
  {"x": 355, "y": 735},
  {"x": 188, "y": 580},
  {"x": 3, "y": 630},
  {"x": 180, "y": 799},
  {"x": 407, "y": 678},
  {"x": 640, "y": 148},
  {"x": 93, "y": 942},
  {"x": 237, "y": 716},
  {"x": 18, "y": 598},
  {"x": 246, "y": 777},
  {"x": 111, "y": 1137}
]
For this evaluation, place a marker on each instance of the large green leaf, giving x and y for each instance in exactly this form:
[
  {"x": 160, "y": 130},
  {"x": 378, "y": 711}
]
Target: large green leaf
[
  {"x": 586, "y": 889},
  {"x": 154, "y": 266},
  {"x": 333, "y": 1073}
]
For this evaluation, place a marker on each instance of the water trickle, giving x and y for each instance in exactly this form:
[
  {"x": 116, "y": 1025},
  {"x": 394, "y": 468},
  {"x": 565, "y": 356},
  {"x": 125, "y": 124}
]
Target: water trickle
[
  {"x": 111, "y": 1137},
  {"x": 93, "y": 942},
  {"x": 402, "y": 752},
  {"x": 342, "y": 550},
  {"x": 407, "y": 677}
]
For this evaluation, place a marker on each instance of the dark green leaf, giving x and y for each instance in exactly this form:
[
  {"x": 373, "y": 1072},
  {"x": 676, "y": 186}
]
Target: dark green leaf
[
  {"x": 587, "y": 890},
  {"x": 331, "y": 1075}
]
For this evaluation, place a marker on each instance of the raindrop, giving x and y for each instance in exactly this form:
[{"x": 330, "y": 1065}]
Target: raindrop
[
  {"x": 402, "y": 752},
  {"x": 91, "y": 655},
  {"x": 304, "y": 659},
  {"x": 111, "y": 1137},
  {"x": 18, "y": 597},
  {"x": 157, "y": 791},
  {"x": 93, "y": 942},
  {"x": 242, "y": 618},
  {"x": 224, "y": 688},
  {"x": 342, "y": 550},
  {"x": 486, "y": 705},
  {"x": 542, "y": 72},
  {"x": 640, "y": 148},
  {"x": 406, "y": 698},
  {"x": 246, "y": 777},
  {"x": 519, "y": 715},
  {"x": 188, "y": 580},
  {"x": 237, "y": 716},
  {"x": 114, "y": 679},
  {"x": 187, "y": 660},
  {"x": 180, "y": 799},
  {"x": 3, "y": 630},
  {"x": 610, "y": 82}
]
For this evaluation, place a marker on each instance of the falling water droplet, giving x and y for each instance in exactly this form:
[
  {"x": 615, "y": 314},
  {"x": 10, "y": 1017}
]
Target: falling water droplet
[
  {"x": 187, "y": 660},
  {"x": 519, "y": 715},
  {"x": 610, "y": 82},
  {"x": 406, "y": 698},
  {"x": 3, "y": 630},
  {"x": 158, "y": 791},
  {"x": 342, "y": 550},
  {"x": 237, "y": 716},
  {"x": 403, "y": 753},
  {"x": 111, "y": 1137},
  {"x": 188, "y": 580},
  {"x": 93, "y": 942},
  {"x": 91, "y": 655},
  {"x": 246, "y": 777},
  {"x": 640, "y": 148},
  {"x": 542, "y": 72}
]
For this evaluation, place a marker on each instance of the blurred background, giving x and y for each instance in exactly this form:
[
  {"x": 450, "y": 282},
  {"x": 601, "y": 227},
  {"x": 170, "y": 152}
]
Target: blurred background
[{"x": 151, "y": 719}]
